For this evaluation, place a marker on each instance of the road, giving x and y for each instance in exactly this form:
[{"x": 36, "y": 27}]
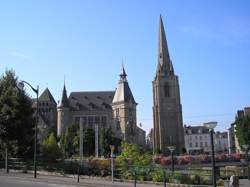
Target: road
[
  {"x": 14, "y": 183},
  {"x": 27, "y": 180}
]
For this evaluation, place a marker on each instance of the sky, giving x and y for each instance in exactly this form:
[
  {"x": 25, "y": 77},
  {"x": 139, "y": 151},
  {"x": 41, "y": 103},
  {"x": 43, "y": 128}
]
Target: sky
[{"x": 86, "y": 42}]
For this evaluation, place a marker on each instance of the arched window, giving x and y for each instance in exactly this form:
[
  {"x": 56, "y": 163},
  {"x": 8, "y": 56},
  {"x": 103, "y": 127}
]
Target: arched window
[{"x": 166, "y": 90}]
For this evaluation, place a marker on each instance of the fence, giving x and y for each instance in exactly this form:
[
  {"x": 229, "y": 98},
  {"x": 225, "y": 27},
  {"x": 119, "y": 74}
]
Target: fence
[{"x": 133, "y": 173}]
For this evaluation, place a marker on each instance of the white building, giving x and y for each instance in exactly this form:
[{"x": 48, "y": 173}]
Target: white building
[
  {"x": 221, "y": 142},
  {"x": 197, "y": 140}
]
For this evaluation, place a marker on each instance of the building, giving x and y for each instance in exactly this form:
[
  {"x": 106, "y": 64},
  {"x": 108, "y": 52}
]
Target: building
[
  {"x": 231, "y": 139},
  {"x": 47, "y": 114},
  {"x": 167, "y": 109},
  {"x": 102, "y": 109},
  {"x": 221, "y": 142},
  {"x": 198, "y": 140},
  {"x": 234, "y": 145},
  {"x": 149, "y": 140}
]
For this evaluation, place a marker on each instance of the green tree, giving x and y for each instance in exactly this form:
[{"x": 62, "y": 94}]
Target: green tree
[
  {"x": 50, "y": 149},
  {"x": 243, "y": 129},
  {"x": 67, "y": 141},
  {"x": 107, "y": 138},
  {"x": 134, "y": 155},
  {"x": 16, "y": 117},
  {"x": 89, "y": 142}
]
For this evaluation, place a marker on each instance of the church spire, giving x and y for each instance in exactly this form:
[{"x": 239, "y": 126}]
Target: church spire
[
  {"x": 123, "y": 92},
  {"x": 64, "y": 102},
  {"x": 123, "y": 74},
  {"x": 164, "y": 61}
]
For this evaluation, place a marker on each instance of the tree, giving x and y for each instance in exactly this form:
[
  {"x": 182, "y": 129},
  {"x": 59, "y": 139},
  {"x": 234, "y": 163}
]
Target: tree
[
  {"x": 16, "y": 117},
  {"x": 89, "y": 142},
  {"x": 107, "y": 138},
  {"x": 243, "y": 129},
  {"x": 50, "y": 149},
  {"x": 67, "y": 141},
  {"x": 134, "y": 154}
]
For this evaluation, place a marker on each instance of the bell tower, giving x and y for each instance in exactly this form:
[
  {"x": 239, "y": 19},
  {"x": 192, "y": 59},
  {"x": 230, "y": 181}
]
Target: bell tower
[{"x": 167, "y": 109}]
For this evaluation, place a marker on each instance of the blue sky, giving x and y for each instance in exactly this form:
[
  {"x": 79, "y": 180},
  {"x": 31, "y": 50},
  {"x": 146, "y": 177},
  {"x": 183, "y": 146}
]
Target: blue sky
[{"x": 85, "y": 41}]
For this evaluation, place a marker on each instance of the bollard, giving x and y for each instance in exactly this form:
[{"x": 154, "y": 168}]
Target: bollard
[
  {"x": 164, "y": 180},
  {"x": 135, "y": 179},
  {"x": 78, "y": 175}
]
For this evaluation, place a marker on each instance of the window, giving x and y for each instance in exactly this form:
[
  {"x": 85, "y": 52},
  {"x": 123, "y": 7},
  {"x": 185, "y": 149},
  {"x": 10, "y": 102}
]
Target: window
[
  {"x": 104, "y": 120},
  {"x": 196, "y": 144},
  {"x": 200, "y": 137},
  {"x": 166, "y": 90},
  {"x": 190, "y": 144},
  {"x": 77, "y": 120},
  {"x": 196, "y": 137},
  {"x": 97, "y": 119},
  {"x": 90, "y": 120},
  {"x": 117, "y": 112},
  {"x": 201, "y": 144},
  {"x": 130, "y": 110},
  {"x": 205, "y": 144}
]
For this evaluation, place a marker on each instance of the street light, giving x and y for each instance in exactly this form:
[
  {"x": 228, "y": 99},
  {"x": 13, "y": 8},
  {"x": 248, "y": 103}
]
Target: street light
[
  {"x": 246, "y": 148},
  {"x": 211, "y": 126},
  {"x": 112, "y": 148},
  {"x": 20, "y": 86},
  {"x": 171, "y": 149}
]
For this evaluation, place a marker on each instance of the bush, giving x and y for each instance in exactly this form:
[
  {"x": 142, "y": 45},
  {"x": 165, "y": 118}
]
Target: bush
[
  {"x": 50, "y": 150},
  {"x": 157, "y": 175}
]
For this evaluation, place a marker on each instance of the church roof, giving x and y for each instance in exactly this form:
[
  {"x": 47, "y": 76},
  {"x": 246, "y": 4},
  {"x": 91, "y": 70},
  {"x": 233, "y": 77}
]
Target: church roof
[
  {"x": 123, "y": 92},
  {"x": 46, "y": 96},
  {"x": 64, "y": 102},
  {"x": 94, "y": 100},
  {"x": 164, "y": 62}
]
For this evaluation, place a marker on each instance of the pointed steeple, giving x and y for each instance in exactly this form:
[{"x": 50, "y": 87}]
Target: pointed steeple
[
  {"x": 64, "y": 102},
  {"x": 123, "y": 92},
  {"x": 123, "y": 74},
  {"x": 163, "y": 54}
]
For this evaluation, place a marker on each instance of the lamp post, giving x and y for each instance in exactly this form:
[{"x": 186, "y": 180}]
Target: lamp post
[
  {"x": 246, "y": 148},
  {"x": 211, "y": 126},
  {"x": 20, "y": 85},
  {"x": 112, "y": 148},
  {"x": 171, "y": 149}
]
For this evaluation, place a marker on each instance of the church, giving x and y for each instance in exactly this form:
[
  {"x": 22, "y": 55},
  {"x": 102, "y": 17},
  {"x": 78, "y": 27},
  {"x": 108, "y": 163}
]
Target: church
[
  {"x": 116, "y": 109},
  {"x": 102, "y": 109},
  {"x": 167, "y": 109}
]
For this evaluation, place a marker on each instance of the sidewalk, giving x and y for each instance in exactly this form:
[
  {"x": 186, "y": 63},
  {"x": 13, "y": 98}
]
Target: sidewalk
[
  {"x": 244, "y": 183},
  {"x": 71, "y": 180}
]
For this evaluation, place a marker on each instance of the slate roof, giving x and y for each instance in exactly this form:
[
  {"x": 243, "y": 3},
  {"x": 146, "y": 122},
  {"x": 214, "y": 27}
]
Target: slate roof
[
  {"x": 123, "y": 92},
  {"x": 196, "y": 129},
  {"x": 64, "y": 102},
  {"x": 46, "y": 96},
  {"x": 94, "y": 100}
]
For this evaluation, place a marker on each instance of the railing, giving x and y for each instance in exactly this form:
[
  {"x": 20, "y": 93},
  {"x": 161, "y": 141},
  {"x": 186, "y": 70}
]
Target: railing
[{"x": 132, "y": 173}]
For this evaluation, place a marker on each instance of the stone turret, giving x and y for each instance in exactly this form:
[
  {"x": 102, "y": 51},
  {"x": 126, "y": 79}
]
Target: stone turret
[
  {"x": 124, "y": 108},
  {"x": 62, "y": 112}
]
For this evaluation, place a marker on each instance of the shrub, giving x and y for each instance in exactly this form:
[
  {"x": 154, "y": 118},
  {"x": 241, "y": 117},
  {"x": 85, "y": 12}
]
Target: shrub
[{"x": 157, "y": 175}]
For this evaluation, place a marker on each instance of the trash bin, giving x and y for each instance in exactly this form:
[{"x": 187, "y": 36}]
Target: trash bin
[
  {"x": 234, "y": 181},
  {"x": 226, "y": 183}
]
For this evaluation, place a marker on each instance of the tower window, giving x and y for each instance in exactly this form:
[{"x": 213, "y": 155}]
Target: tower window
[{"x": 166, "y": 90}]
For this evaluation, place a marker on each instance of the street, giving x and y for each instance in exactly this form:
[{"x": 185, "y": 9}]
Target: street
[{"x": 27, "y": 180}]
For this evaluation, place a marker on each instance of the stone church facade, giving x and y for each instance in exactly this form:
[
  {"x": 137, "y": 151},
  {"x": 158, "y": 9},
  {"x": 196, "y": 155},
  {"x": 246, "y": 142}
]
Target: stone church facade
[
  {"x": 167, "y": 110},
  {"x": 102, "y": 109}
]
